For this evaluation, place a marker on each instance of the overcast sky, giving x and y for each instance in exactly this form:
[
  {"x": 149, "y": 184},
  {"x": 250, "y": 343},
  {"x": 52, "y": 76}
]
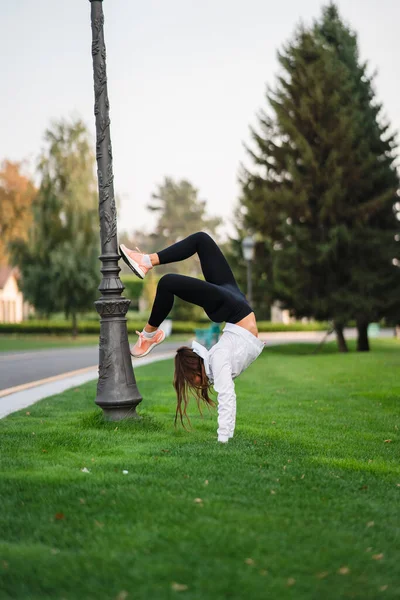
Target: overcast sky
[{"x": 185, "y": 80}]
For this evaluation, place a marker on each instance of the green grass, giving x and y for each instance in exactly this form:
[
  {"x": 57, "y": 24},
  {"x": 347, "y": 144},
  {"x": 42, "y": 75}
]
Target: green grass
[
  {"x": 307, "y": 487},
  {"x": 14, "y": 342}
]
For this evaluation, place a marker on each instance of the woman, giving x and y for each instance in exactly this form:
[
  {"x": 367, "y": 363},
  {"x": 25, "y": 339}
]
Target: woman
[{"x": 196, "y": 368}]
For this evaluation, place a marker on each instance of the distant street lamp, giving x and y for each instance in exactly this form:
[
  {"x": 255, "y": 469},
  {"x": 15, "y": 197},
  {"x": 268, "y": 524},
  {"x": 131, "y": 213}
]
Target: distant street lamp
[
  {"x": 117, "y": 393},
  {"x": 248, "y": 254}
]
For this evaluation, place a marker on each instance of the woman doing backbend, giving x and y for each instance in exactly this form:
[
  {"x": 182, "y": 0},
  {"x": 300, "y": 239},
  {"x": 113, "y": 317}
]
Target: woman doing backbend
[{"x": 197, "y": 368}]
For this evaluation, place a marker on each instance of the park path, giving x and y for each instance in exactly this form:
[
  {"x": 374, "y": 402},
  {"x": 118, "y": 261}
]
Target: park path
[
  {"x": 22, "y": 367},
  {"x": 26, "y": 377}
]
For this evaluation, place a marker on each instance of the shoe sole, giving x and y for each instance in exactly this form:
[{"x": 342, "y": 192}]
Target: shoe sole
[
  {"x": 132, "y": 264},
  {"x": 151, "y": 347}
]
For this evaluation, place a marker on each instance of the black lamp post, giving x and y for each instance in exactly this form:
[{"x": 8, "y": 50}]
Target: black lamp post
[
  {"x": 117, "y": 393},
  {"x": 248, "y": 254}
]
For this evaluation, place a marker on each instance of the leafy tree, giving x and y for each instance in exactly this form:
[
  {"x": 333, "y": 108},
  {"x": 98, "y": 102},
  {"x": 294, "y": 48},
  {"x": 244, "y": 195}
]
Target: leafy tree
[
  {"x": 307, "y": 193},
  {"x": 17, "y": 192},
  {"x": 59, "y": 261},
  {"x": 178, "y": 212}
]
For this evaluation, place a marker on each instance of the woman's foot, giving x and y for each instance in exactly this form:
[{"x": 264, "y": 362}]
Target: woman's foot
[
  {"x": 138, "y": 262},
  {"x": 144, "y": 345}
]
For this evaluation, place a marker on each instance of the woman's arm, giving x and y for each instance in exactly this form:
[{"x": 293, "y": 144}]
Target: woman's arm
[{"x": 224, "y": 386}]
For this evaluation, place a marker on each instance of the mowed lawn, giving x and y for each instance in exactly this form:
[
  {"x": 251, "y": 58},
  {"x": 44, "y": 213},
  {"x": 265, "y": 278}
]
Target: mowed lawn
[
  {"x": 303, "y": 503},
  {"x": 16, "y": 342}
]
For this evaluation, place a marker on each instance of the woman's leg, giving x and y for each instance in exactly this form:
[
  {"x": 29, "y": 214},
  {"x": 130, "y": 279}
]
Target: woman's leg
[
  {"x": 214, "y": 265},
  {"x": 190, "y": 289}
]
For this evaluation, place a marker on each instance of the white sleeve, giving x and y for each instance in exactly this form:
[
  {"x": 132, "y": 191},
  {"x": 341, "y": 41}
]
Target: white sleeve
[{"x": 224, "y": 386}]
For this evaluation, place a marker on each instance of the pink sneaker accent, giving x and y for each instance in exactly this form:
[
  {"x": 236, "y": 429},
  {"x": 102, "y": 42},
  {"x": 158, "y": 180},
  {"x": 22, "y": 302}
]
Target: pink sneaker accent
[
  {"x": 134, "y": 260},
  {"x": 144, "y": 345}
]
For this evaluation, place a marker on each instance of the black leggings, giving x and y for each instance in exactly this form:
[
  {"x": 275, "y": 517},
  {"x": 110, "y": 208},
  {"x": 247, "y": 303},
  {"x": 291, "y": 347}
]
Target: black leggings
[{"x": 219, "y": 294}]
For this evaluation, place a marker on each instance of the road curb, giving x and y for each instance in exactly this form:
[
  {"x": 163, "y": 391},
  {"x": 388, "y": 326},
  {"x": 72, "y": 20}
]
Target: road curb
[{"x": 29, "y": 393}]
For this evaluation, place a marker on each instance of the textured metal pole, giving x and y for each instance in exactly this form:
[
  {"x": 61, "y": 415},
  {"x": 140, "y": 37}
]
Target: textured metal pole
[{"x": 117, "y": 393}]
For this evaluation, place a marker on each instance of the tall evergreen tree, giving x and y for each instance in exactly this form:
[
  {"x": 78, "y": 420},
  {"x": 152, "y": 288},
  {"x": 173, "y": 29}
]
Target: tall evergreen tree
[
  {"x": 374, "y": 280},
  {"x": 59, "y": 265},
  {"x": 307, "y": 193}
]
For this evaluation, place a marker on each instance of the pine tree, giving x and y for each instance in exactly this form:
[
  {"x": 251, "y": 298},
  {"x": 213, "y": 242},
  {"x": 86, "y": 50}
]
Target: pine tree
[
  {"x": 375, "y": 279},
  {"x": 306, "y": 193}
]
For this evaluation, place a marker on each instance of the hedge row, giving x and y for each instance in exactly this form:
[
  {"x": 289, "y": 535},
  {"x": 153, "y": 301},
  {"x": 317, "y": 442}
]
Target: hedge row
[{"x": 64, "y": 327}]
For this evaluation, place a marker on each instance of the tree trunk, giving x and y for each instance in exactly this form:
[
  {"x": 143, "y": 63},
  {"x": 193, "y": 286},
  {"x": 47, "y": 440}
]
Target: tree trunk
[
  {"x": 74, "y": 325},
  {"x": 362, "y": 336},
  {"x": 341, "y": 341}
]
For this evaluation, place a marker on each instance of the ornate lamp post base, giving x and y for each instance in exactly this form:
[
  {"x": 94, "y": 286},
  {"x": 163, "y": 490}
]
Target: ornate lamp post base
[{"x": 117, "y": 393}]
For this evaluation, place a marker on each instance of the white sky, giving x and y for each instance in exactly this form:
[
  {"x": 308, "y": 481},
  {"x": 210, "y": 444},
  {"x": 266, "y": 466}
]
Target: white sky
[{"x": 185, "y": 80}]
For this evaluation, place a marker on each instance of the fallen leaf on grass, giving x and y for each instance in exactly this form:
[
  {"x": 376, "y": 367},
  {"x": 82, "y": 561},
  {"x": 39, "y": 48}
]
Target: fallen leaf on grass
[
  {"x": 59, "y": 516},
  {"x": 302, "y": 477},
  {"x": 249, "y": 561},
  {"x": 98, "y": 524},
  {"x": 82, "y": 500},
  {"x": 289, "y": 460},
  {"x": 383, "y": 588},
  {"x": 33, "y": 433},
  {"x": 179, "y": 587},
  {"x": 322, "y": 574},
  {"x": 363, "y": 487},
  {"x": 344, "y": 570},
  {"x": 43, "y": 450},
  {"x": 164, "y": 450},
  {"x": 198, "y": 501},
  {"x": 273, "y": 492},
  {"x": 273, "y": 422},
  {"x": 85, "y": 470},
  {"x": 28, "y": 413},
  {"x": 125, "y": 472},
  {"x": 291, "y": 581},
  {"x": 54, "y": 551},
  {"x": 206, "y": 482},
  {"x": 122, "y": 595},
  {"x": 377, "y": 556},
  {"x": 370, "y": 524},
  {"x": 387, "y": 441}
]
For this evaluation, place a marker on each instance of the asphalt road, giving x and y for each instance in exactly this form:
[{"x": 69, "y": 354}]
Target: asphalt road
[{"x": 17, "y": 368}]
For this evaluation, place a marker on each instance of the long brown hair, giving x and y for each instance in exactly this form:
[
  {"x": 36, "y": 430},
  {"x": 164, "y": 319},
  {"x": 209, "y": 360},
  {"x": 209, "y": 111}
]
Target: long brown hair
[{"x": 189, "y": 365}]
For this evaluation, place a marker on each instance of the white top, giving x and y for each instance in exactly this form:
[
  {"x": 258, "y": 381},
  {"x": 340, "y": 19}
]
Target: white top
[{"x": 236, "y": 349}]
